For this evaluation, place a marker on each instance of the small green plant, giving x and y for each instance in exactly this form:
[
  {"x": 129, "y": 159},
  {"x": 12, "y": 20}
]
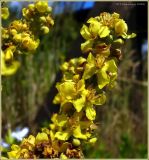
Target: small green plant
[{"x": 83, "y": 86}]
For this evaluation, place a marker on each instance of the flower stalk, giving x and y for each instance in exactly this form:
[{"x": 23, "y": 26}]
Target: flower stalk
[{"x": 82, "y": 88}]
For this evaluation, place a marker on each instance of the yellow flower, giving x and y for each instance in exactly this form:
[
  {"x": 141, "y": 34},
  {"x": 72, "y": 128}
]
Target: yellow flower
[
  {"x": 95, "y": 29},
  {"x": 41, "y": 137},
  {"x": 8, "y": 70},
  {"x": 41, "y": 6},
  {"x": 15, "y": 153},
  {"x": 94, "y": 26},
  {"x": 5, "y": 13},
  {"x": 67, "y": 89},
  {"x": 45, "y": 29},
  {"x": 9, "y": 52},
  {"x": 29, "y": 43}
]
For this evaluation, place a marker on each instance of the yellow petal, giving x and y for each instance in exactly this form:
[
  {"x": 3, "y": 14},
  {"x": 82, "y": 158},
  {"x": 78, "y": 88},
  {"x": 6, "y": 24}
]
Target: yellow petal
[
  {"x": 9, "y": 70},
  {"x": 107, "y": 73},
  {"x": 41, "y": 137},
  {"x": 103, "y": 32},
  {"x": 89, "y": 71},
  {"x": 94, "y": 27},
  {"x": 80, "y": 85},
  {"x": 13, "y": 154},
  {"x": 85, "y": 32},
  {"x": 61, "y": 120},
  {"x": 90, "y": 112},
  {"x": 79, "y": 103},
  {"x": 87, "y": 46},
  {"x": 78, "y": 134},
  {"x": 62, "y": 135}
]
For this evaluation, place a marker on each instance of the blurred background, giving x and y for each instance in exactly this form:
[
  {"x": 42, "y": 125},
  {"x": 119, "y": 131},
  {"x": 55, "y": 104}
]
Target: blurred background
[{"x": 27, "y": 96}]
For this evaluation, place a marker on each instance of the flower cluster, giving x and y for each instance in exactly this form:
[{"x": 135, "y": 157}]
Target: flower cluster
[
  {"x": 42, "y": 146},
  {"x": 83, "y": 87},
  {"x": 22, "y": 36}
]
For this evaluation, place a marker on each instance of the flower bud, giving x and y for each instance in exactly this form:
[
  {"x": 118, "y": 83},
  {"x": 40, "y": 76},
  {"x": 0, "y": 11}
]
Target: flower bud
[
  {"x": 76, "y": 142},
  {"x": 64, "y": 66},
  {"x": 30, "y": 44},
  {"x": 50, "y": 21},
  {"x": 45, "y": 29},
  {"x": 42, "y": 19},
  {"x": 49, "y": 9},
  {"x": 121, "y": 27},
  {"x": 41, "y": 6},
  {"x": 31, "y": 7},
  {"x": 13, "y": 31},
  {"x": 72, "y": 61},
  {"x": 5, "y": 13},
  {"x": 93, "y": 140},
  {"x": 63, "y": 156},
  {"x": 17, "y": 37},
  {"x": 41, "y": 137},
  {"x": 8, "y": 54}
]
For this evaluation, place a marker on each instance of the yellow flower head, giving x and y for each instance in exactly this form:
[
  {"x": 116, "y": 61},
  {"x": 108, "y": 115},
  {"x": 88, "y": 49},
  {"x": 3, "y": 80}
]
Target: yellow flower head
[
  {"x": 41, "y": 6},
  {"x": 5, "y": 13}
]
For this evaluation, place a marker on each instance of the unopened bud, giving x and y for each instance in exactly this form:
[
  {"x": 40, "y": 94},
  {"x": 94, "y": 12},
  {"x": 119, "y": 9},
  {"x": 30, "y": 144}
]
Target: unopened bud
[
  {"x": 45, "y": 29},
  {"x": 76, "y": 142}
]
